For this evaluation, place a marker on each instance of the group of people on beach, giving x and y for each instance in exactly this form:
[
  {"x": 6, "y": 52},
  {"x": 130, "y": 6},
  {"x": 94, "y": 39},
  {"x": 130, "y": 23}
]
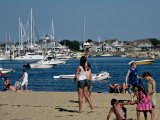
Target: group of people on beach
[
  {"x": 146, "y": 99},
  {"x": 10, "y": 87}
]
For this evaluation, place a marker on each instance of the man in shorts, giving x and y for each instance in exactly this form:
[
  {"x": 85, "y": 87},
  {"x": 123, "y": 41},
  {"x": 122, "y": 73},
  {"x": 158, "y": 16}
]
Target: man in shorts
[{"x": 89, "y": 78}]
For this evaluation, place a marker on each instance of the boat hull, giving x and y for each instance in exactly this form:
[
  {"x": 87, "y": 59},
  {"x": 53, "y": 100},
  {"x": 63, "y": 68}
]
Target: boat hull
[
  {"x": 143, "y": 62},
  {"x": 38, "y": 57},
  {"x": 41, "y": 66},
  {"x": 5, "y": 71},
  {"x": 95, "y": 77}
]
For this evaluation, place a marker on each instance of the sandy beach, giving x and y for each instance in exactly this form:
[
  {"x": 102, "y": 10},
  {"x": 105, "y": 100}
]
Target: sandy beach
[{"x": 60, "y": 106}]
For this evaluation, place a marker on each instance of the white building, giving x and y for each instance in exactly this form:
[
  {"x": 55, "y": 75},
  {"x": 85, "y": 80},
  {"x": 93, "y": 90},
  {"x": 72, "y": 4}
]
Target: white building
[
  {"x": 112, "y": 45},
  {"x": 96, "y": 46}
]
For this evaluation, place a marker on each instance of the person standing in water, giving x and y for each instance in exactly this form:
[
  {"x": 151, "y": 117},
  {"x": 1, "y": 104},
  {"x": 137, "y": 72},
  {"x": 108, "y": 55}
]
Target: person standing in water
[
  {"x": 25, "y": 79},
  {"x": 82, "y": 83}
]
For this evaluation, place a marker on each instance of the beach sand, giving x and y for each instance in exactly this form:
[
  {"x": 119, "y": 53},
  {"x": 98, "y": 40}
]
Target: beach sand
[{"x": 60, "y": 106}]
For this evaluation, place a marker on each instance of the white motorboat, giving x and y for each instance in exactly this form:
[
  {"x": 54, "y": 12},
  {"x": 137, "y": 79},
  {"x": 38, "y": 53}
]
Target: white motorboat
[
  {"x": 65, "y": 76},
  {"x": 95, "y": 77},
  {"x": 100, "y": 76},
  {"x": 142, "y": 62},
  {"x": 124, "y": 55},
  {"x": 107, "y": 55},
  {"x": 4, "y": 58},
  {"x": 45, "y": 63},
  {"x": 5, "y": 71},
  {"x": 30, "y": 56}
]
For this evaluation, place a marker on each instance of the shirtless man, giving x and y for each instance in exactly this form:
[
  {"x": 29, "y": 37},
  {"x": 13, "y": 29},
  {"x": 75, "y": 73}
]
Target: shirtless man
[{"x": 89, "y": 78}]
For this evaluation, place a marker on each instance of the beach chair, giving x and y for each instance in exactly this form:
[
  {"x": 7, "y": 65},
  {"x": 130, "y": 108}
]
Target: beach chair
[
  {"x": 115, "y": 90},
  {"x": 17, "y": 84}
]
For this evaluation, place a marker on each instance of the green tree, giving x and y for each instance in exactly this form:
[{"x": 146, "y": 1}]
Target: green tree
[
  {"x": 154, "y": 41},
  {"x": 73, "y": 45},
  {"x": 89, "y": 40},
  {"x": 2, "y": 45}
]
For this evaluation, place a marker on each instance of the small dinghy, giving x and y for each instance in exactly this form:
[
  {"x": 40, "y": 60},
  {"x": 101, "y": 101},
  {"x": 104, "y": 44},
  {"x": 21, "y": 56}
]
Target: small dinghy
[
  {"x": 100, "y": 76},
  {"x": 95, "y": 77},
  {"x": 5, "y": 71}
]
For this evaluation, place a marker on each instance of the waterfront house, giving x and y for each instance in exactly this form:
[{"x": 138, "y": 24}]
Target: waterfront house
[
  {"x": 96, "y": 46},
  {"x": 143, "y": 44},
  {"x": 113, "y": 45}
]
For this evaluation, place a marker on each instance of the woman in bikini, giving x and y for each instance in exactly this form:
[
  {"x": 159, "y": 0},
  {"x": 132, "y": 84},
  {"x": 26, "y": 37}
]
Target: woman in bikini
[{"x": 118, "y": 109}]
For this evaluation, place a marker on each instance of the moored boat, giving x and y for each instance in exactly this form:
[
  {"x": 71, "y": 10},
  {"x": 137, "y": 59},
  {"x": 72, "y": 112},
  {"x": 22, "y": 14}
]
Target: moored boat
[
  {"x": 45, "y": 63},
  {"x": 5, "y": 71},
  {"x": 142, "y": 62},
  {"x": 107, "y": 55},
  {"x": 95, "y": 77},
  {"x": 30, "y": 56}
]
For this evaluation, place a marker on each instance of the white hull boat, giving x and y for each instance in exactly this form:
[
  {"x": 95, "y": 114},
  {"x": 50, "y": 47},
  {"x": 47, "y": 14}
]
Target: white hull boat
[
  {"x": 4, "y": 58},
  {"x": 30, "y": 56},
  {"x": 41, "y": 66},
  {"x": 100, "y": 76},
  {"x": 107, "y": 55},
  {"x": 5, "y": 71},
  {"x": 45, "y": 63},
  {"x": 95, "y": 77},
  {"x": 124, "y": 55}
]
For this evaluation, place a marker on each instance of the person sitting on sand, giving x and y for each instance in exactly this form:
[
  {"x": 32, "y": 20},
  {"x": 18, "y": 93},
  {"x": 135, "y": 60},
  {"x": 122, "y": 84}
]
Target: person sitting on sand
[
  {"x": 8, "y": 85},
  {"x": 116, "y": 86},
  {"x": 118, "y": 109}
]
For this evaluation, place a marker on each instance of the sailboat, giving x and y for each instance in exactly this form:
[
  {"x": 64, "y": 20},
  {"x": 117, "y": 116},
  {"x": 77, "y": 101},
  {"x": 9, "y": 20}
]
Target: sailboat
[
  {"x": 50, "y": 61},
  {"x": 24, "y": 33}
]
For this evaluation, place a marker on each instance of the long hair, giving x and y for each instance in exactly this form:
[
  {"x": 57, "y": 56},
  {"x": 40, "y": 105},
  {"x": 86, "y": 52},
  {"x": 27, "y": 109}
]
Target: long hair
[
  {"x": 140, "y": 88},
  {"x": 146, "y": 74},
  {"x": 113, "y": 101},
  {"x": 83, "y": 61}
]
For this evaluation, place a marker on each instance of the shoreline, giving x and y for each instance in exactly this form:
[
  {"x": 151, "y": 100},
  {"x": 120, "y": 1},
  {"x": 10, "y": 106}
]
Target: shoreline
[
  {"x": 60, "y": 105},
  {"x": 134, "y": 54}
]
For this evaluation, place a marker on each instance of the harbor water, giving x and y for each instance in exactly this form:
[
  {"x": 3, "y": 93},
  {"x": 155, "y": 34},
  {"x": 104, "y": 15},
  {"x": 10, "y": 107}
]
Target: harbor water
[{"x": 42, "y": 79}]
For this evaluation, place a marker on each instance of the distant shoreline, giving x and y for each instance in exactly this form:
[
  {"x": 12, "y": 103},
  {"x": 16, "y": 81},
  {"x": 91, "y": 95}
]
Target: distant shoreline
[{"x": 142, "y": 55}]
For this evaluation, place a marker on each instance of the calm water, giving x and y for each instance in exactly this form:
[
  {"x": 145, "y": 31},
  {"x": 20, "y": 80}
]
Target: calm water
[{"x": 42, "y": 79}]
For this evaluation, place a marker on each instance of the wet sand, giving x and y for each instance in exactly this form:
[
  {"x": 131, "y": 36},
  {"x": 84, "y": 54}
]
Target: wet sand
[{"x": 60, "y": 106}]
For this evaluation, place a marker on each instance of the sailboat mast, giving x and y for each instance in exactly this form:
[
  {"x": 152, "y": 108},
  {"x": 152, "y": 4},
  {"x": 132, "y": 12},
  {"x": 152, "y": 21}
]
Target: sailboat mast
[
  {"x": 53, "y": 39},
  {"x": 21, "y": 36},
  {"x": 19, "y": 33},
  {"x": 84, "y": 30},
  {"x": 31, "y": 28}
]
